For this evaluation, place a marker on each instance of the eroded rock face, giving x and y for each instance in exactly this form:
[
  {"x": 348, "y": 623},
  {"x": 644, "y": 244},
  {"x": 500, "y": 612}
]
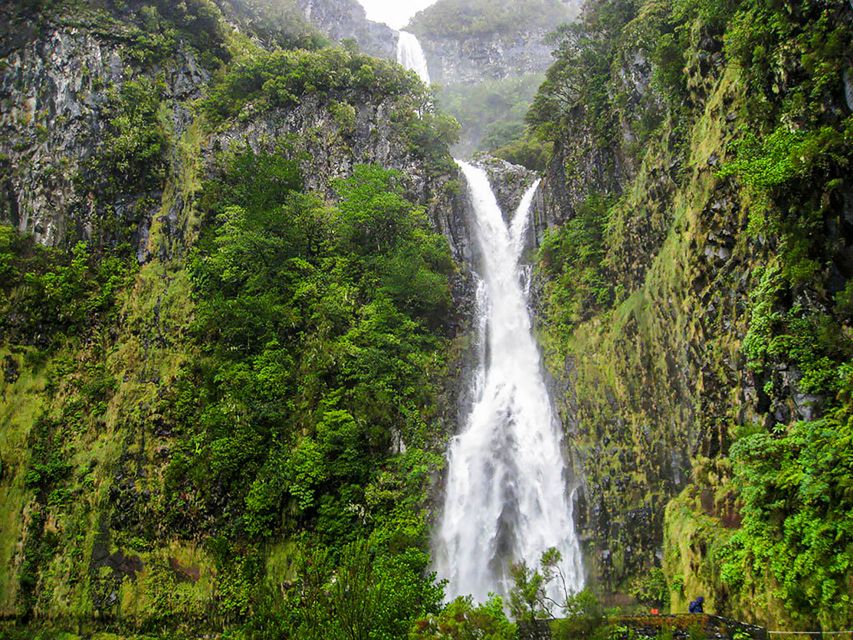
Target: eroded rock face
[
  {"x": 463, "y": 59},
  {"x": 330, "y": 150},
  {"x": 650, "y": 388},
  {"x": 460, "y": 50},
  {"x": 50, "y": 122},
  {"x": 341, "y": 19},
  {"x": 55, "y": 93},
  {"x": 597, "y": 169},
  {"x": 509, "y": 182}
]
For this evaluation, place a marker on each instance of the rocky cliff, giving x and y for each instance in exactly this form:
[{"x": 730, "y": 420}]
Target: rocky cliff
[
  {"x": 145, "y": 149},
  {"x": 681, "y": 302},
  {"x": 468, "y": 42},
  {"x": 455, "y": 59},
  {"x": 59, "y": 91},
  {"x": 346, "y": 19},
  {"x": 63, "y": 90}
]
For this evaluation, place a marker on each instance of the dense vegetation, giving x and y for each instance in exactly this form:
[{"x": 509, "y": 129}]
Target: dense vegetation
[
  {"x": 461, "y": 18},
  {"x": 232, "y": 421},
  {"x": 741, "y": 138},
  {"x": 320, "y": 339},
  {"x": 322, "y": 332},
  {"x": 283, "y": 77}
]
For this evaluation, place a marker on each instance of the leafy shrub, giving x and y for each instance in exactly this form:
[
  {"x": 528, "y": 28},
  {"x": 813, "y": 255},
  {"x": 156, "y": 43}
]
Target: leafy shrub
[
  {"x": 572, "y": 259},
  {"x": 134, "y": 148},
  {"x": 366, "y": 593},
  {"x": 462, "y": 620},
  {"x": 262, "y": 80},
  {"x": 50, "y": 294},
  {"x": 796, "y": 527},
  {"x": 651, "y": 589},
  {"x": 584, "y": 617}
]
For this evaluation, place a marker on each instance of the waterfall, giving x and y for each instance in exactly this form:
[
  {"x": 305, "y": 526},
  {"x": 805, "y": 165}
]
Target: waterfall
[
  {"x": 507, "y": 497},
  {"x": 411, "y": 55}
]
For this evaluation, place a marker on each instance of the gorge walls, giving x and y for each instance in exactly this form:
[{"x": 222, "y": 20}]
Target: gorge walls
[
  {"x": 692, "y": 302},
  {"x": 487, "y": 60},
  {"x": 228, "y": 282},
  {"x": 469, "y": 42}
]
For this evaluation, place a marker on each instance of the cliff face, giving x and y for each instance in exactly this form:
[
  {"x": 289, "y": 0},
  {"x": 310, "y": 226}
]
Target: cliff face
[
  {"x": 342, "y": 19},
  {"x": 465, "y": 59},
  {"x": 117, "y": 133},
  {"x": 56, "y": 97},
  {"x": 467, "y": 42},
  {"x": 665, "y": 315},
  {"x": 62, "y": 88}
]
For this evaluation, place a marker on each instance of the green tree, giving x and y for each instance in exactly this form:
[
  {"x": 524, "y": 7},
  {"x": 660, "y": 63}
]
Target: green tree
[{"x": 461, "y": 620}]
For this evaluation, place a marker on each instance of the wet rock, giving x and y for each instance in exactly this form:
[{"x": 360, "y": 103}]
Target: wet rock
[
  {"x": 342, "y": 19},
  {"x": 809, "y": 406},
  {"x": 717, "y": 254},
  {"x": 56, "y": 88},
  {"x": 461, "y": 59},
  {"x": 121, "y": 564},
  {"x": 509, "y": 182},
  {"x": 10, "y": 370},
  {"x": 183, "y": 573}
]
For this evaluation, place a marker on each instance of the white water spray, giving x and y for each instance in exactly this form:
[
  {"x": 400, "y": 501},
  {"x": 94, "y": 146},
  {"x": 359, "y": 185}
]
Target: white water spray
[
  {"x": 507, "y": 492},
  {"x": 411, "y": 55}
]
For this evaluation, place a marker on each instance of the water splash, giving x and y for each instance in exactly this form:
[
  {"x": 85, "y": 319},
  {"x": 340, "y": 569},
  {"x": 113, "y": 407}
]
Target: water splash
[
  {"x": 411, "y": 55},
  {"x": 507, "y": 494}
]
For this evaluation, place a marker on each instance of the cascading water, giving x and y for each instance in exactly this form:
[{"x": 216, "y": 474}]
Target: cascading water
[
  {"x": 411, "y": 55},
  {"x": 506, "y": 498}
]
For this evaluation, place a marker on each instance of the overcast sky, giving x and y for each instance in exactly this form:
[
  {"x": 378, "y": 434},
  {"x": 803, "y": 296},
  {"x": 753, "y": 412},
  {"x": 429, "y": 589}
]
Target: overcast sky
[{"x": 395, "y": 13}]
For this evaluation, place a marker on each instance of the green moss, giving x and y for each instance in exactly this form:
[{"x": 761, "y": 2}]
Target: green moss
[
  {"x": 721, "y": 317},
  {"x": 692, "y": 548},
  {"x": 21, "y": 402}
]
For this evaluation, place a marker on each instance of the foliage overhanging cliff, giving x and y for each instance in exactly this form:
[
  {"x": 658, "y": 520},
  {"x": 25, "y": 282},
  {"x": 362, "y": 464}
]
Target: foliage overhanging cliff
[
  {"x": 695, "y": 297},
  {"x": 226, "y": 324}
]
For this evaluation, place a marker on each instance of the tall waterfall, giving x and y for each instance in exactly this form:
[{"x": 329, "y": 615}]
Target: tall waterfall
[
  {"x": 411, "y": 55},
  {"x": 507, "y": 492}
]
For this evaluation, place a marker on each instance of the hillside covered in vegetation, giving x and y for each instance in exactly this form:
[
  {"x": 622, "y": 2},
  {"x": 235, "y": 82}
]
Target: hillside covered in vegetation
[
  {"x": 236, "y": 302},
  {"x": 695, "y": 298},
  {"x": 458, "y": 18},
  {"x": 226, "y": 327}
]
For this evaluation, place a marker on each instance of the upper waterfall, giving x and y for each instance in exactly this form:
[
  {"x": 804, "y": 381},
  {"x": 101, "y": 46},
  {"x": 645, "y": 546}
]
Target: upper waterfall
[
  {"x": 507, "y": 498},
  {"x": 411, "y": 55}
]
